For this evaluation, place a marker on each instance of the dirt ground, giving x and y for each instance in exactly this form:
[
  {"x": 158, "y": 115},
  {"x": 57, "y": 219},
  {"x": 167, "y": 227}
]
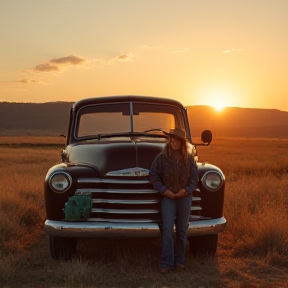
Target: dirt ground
[{"x": 36, "y": 268}]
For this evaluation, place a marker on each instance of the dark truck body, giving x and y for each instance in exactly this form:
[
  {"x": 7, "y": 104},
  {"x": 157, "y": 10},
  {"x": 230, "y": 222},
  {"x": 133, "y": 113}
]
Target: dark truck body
[{"x": 104, "y": 173}]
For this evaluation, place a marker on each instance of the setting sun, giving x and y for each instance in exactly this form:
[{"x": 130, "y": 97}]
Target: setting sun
[
  {"x": 219, "y": 107},
  {"x": 218, "y": 98}
]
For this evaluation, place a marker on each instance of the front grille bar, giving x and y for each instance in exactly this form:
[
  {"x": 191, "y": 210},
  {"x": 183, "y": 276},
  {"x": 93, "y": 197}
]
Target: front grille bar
[
  {"x": 105, "y": 201},
  {"x": 112, "y": 181},
  {"x": 134, "y": 211},
  {"x": 196, "y": 208},
  {"x": 117, "y": 201},
  {"x": 85, "y": 191},
  {"x": 89, "y": 191},
  {"x": 124, "y": 211}
]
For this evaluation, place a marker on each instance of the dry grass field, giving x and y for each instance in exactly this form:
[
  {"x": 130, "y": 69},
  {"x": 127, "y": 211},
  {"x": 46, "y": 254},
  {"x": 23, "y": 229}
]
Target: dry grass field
[{"x": 252, "y": 252}]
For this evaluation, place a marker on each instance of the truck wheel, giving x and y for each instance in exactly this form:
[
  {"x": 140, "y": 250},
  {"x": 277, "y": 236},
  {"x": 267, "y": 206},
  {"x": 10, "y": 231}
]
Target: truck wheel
[
  {"x": 62, "y": 248},
  {"x": 205, "y": 245}
]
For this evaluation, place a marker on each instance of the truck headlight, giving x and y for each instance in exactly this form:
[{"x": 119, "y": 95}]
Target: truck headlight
[
  {"x": 212, "y": 180},
  {"x": 59, "y": 182}
]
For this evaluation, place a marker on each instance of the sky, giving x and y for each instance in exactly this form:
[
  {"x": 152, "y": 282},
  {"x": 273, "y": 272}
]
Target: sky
[{"x": 200, "y": 52}]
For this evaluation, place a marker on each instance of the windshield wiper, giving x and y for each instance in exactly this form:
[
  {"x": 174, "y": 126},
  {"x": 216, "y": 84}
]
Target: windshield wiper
[
  {"x": 156, "y": 129},
  {"x": 126, "y": 134}
]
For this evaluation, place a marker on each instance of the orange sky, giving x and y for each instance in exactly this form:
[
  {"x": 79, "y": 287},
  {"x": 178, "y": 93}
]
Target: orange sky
[{"x": 208, "y": 52}]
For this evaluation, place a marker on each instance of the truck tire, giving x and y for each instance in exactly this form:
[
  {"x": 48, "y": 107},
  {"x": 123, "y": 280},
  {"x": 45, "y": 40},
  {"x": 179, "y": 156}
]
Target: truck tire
[
  {"x": 62, "y": 248},
  {"x": 205, "y": 245}
]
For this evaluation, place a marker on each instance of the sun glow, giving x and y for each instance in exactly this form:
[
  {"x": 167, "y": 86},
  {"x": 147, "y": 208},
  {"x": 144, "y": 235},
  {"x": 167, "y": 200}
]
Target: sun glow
[
  {"x": 219, "y": 107},
  {"x": 219, "y": 99}
]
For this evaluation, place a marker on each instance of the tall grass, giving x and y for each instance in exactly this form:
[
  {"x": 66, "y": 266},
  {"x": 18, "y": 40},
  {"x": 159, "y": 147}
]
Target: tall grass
[
  {"x": 256, "y": 209},
  {"x": 22, "y": 172},
  {"x": 256, "y": 200}
]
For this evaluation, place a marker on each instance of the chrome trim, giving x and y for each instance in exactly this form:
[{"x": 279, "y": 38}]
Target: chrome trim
[
  {"x": 126, "y": 230},
  {"x": 124, "y": 211},
  {"x": 198, "y": 217},
  {"x": 111, "y": 181},
  {"x": 123, "y": 220},
  {"x": 196, "y": 208},
  {"x": 89, "y": 191},
  {"x": 192, "y": 217},
  {"x": 132, "y": 211},
  {"x": 118, "y": 201},
  {"x": 136, "y": 171}
]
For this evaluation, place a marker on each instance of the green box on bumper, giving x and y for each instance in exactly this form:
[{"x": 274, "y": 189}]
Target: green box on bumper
[{"x": 78, "y": 208}]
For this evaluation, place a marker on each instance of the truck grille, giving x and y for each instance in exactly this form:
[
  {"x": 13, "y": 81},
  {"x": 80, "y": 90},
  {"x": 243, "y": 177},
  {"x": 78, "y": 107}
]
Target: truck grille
[{"x": 126, "y": 200}]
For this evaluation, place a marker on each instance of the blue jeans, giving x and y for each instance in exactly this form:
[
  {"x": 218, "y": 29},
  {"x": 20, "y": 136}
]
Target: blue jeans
[{"x": 174, "y": 212}]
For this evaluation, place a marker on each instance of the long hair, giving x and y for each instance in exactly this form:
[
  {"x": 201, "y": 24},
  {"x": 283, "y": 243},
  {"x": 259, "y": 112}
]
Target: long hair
[{"x": 183, "y": 150}]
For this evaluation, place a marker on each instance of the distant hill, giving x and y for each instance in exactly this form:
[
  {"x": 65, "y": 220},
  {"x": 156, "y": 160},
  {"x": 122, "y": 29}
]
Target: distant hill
[
  {"x": 43, "y": 119},
  {"x": 52, "y": 119},
  {"x": 239, "y": 122}
]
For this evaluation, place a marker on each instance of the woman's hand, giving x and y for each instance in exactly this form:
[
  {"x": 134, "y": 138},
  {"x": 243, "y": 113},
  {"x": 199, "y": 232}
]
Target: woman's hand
[
  {"x": 168, "y": 193},
  {"x": 181, "y": 193}
]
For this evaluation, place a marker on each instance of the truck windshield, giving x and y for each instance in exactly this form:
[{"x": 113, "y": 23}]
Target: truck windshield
[{"x": 126, "y": 118}]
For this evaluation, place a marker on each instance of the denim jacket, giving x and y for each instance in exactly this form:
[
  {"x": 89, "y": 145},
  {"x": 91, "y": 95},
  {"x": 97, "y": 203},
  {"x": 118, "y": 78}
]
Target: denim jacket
[{"x": 159, "y": 174}]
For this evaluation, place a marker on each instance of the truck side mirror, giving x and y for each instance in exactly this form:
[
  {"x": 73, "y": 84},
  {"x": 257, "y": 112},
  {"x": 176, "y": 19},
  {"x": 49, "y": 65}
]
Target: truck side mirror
[{"x": 206, "y": 136}]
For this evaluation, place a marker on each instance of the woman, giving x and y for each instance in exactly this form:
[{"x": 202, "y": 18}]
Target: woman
[{"x": 174, "y": 175}]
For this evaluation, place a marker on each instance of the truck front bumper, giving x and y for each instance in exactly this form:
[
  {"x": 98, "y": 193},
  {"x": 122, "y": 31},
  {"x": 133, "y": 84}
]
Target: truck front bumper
[{"x": 127, "y": 230}]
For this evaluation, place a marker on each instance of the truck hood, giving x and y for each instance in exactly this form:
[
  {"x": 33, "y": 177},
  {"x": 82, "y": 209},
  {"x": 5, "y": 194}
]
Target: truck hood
[{"x": 114, "y": 154}]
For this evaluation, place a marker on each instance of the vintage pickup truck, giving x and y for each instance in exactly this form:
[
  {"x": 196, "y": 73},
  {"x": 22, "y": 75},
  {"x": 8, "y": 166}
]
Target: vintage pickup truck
[{"x": 101, "y": 188}]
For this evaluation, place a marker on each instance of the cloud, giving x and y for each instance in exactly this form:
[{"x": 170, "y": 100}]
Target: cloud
[
  {"x": 63, "y": 63},
  {"x": 231, "y": 50},
  {"x": 46, "y": 67},
  {"x": 42, "y": 73},
  {"x": 21, "y": 82},
  {"x": 28, "y": 81},
  {"x": 68, "y": 60},
  {"x": 129, "y": 57},
  {"x": 124, "y": 57},
  {"x": 59, "y": 64}
]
